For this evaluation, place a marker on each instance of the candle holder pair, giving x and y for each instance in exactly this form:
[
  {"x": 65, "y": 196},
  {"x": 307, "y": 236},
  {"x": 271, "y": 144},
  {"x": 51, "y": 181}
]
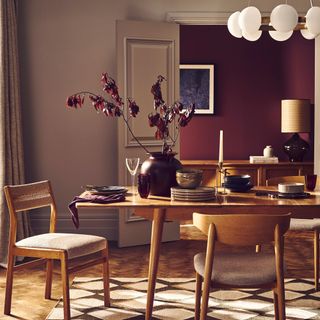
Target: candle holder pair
[{"x": 223, "y": 172}]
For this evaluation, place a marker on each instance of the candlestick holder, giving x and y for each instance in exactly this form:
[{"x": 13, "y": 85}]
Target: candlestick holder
[{"x": 223, "y": 172}]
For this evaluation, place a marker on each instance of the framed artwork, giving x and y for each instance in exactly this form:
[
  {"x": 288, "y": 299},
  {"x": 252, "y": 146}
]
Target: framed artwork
[{"x": 196, "y": 86}]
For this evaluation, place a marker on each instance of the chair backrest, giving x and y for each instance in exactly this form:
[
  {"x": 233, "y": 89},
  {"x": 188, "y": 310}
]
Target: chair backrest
[
  {"x": 276, "y": 180},
  {"x": 243, "y": 229},
  {"x": 29, "y": 196}
]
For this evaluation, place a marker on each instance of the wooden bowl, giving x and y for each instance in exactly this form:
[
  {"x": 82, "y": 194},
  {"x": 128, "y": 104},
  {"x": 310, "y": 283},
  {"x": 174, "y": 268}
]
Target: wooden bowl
[{"x": 189, "y": 178}]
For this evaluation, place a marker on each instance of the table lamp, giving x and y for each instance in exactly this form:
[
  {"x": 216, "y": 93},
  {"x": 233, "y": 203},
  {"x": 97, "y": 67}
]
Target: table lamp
[{"x": 295, "y": 118}]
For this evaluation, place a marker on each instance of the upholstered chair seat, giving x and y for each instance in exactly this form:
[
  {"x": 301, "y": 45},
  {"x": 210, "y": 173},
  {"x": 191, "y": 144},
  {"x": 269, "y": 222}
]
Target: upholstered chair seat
[
  {"x": 76, "y": 245},
  {"x": 239, "y": 269},
  {"x": 304, "y": 224}
]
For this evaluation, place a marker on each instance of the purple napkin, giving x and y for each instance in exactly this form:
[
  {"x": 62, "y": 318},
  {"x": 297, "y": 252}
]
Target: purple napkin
[{"x": 92, "y": 198}]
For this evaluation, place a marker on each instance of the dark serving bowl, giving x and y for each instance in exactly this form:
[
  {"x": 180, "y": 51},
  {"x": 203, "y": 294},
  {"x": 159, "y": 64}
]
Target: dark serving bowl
[{"x": 237, "y": 179}]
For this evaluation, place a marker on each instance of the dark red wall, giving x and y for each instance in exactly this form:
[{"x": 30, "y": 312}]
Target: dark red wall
[{"x": 250, "y": 80}]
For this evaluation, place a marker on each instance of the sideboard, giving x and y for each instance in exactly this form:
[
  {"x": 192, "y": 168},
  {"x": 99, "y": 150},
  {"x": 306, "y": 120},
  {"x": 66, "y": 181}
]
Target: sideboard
[{"x": 259, "y": 172}]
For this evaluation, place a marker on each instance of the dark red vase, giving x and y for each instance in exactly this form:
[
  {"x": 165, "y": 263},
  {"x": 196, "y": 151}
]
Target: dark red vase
[{"x": 162, "y": 169}]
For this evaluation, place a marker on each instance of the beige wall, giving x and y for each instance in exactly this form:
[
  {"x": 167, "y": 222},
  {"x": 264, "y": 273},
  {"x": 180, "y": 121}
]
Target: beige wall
[{"x": 65, "y": 45}]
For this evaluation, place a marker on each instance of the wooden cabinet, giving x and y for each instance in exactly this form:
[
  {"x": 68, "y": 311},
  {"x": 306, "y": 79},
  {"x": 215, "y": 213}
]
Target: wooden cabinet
[{"x": 259, "y": 172}]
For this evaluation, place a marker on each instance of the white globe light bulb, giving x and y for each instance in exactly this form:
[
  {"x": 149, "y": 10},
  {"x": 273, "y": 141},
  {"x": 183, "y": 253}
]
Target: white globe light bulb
[
  {"x": 313, "y": 20},
  {"x": 280, "y": 36},
  {"x": 284, "y": 18},
  {"x": 307, "y": 34},
  {"x": 233, "y": 25},
  {"x": 250, "y": 20},
  {"x": 252, "y": 36}
]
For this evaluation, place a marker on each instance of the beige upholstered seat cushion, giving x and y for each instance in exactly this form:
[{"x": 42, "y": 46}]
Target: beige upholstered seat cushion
[
  {"x": 304, "y": 224},
  {"x": 239, "y": 269},
  {"x": 75, "y": 244}
]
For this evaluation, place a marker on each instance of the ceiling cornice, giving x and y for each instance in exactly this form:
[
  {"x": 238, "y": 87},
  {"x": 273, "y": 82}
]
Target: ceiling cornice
[{"x": 204, "y": 18}]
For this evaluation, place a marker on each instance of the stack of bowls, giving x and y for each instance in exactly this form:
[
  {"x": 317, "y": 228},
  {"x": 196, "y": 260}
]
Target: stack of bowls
[
  {"x": 238, "y": 183},
  {"x": 291, "y": 188}
]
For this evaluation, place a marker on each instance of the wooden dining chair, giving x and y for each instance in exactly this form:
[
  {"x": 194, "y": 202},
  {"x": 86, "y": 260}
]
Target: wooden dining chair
[
  {"x": 311, "y": 225},
  {"x": 50, "y": 246},
  {"x": 229, "y": 269}
]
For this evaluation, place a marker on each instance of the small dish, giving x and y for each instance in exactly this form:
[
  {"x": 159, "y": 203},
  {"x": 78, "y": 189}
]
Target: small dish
[
  {"x": 301, "y": 195},
  {"x": 105, "y": 190}
]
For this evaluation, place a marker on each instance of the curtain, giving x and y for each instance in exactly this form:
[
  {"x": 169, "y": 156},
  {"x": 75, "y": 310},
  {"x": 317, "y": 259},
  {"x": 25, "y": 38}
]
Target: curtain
[{"x": 11, "y": 148}]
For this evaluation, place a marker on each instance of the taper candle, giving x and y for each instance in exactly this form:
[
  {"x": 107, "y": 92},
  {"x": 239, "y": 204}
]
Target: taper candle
[{"x": 221, "y": 147}]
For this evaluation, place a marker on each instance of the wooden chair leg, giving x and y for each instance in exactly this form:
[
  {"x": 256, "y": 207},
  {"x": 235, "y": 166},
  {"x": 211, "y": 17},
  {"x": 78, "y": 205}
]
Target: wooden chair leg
[
  {"x": 316, "y": 259},
  {"x": 205, "y": 298},
  {"x": 197, "y": 296},
  {"x": 106, "y": 277},
  {"x": 47, "y": 294},
  {"x": 9, "y": 282},
  {"x": 275, "y": 303},
  {"x": 65, "y": 286},
  {"x": 281, "y": 301}
]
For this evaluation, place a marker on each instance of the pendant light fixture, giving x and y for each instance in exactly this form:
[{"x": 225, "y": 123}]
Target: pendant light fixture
[{"x": 281, "y": 24}]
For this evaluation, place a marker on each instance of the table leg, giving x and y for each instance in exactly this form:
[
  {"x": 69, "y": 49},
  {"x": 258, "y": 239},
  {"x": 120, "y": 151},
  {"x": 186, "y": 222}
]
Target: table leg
[{"x": 156, "y": 235}]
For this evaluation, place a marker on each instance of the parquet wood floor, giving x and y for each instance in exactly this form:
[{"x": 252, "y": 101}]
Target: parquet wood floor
[{"x": 176, "y": 261}]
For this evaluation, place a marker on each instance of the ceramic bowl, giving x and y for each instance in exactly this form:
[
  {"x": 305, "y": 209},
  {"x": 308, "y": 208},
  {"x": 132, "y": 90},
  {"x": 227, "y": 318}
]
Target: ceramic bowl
[
  {"x": 189, "y": 178},
  {"x": 237, "y": 179}
]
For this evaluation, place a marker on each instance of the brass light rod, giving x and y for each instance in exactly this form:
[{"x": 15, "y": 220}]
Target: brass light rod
[{"x": 266, "y": 27}]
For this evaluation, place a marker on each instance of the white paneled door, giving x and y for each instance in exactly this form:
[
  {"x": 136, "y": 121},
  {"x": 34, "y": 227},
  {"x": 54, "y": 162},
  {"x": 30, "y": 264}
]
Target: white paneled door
[{"x": 144, "y": 51}]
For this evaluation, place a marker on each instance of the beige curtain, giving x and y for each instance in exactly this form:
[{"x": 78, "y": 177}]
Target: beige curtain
[{"x": 11, "y": 150}]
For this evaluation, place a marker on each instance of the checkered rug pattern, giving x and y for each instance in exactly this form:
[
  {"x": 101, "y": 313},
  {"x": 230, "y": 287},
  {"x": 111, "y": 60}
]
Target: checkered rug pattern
[{"x": 174, "y": 299}]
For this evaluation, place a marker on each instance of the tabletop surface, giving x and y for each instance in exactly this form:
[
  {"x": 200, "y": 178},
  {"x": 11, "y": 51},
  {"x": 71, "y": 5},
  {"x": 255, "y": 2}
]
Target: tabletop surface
[{"x": 229, "y": 200}]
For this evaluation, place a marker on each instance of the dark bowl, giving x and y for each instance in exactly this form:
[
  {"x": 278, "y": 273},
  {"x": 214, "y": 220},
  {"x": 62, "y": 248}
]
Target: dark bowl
[{"x": 237, "y": 179}]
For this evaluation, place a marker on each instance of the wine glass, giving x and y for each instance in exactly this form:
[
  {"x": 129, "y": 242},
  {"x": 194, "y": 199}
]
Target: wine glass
[{"x": 132, "y": 166}]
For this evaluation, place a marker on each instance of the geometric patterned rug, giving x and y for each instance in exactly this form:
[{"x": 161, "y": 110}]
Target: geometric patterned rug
[{"x": 174, "y": 299}]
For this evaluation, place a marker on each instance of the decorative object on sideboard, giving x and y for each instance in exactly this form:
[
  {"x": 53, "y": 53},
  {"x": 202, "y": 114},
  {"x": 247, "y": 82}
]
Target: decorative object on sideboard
[
  {"x": 162, "y": 118},
  {"x": 281, "y": 24},
  {"x": 296, "y": 118},
  {"x": 263, "y": 159},
  {"x": 268, "y": 152},
  {"x": 197, "y": 86}
]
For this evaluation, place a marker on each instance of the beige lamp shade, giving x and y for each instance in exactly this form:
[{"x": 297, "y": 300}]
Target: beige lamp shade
[{"x": 295, "y": 115}]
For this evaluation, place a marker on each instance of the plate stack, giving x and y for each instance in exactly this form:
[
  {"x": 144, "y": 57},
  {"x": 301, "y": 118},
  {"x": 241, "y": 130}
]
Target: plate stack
[
  {"x": 106, "y": 190},
  {"x": 198, "y": 194},
  {"x": 292, "y": 190},
  {"x": 238, "y": 183}
]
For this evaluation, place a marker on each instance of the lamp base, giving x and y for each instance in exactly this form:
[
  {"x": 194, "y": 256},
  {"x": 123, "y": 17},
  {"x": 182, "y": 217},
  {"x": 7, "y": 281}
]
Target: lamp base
[{"x": 296, "y": 148}]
